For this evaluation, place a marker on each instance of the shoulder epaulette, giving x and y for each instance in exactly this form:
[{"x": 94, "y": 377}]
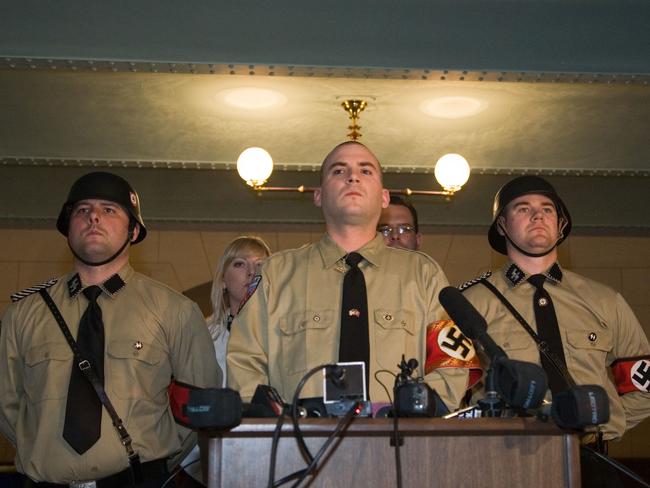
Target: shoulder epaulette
[
  {"x": 19, "y": 295},
  {"x": 473, "y": 281}
]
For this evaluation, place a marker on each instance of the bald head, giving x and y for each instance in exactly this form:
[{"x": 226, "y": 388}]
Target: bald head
[{"x": 342, "y": 145}]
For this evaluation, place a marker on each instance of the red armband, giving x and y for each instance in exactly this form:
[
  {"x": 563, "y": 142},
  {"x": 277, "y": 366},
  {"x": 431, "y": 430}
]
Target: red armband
[
  {"x": 447, "y": 347},
  {"x": 632, "y": 374},
  {"x": 179, "y": 394}
]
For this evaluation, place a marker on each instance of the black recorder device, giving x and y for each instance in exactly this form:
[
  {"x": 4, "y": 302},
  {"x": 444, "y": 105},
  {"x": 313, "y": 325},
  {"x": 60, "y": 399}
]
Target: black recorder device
[
  {"x": 413, "y": 397},
  {"x": 344, "y": 386}
]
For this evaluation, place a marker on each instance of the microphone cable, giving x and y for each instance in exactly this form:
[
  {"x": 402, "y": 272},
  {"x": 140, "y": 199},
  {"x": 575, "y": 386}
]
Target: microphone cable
[
  {"x": 177, "y": 470},
  {"x": 312, "y": 461},
  {"x": 274, "y": 447},
  {"x": 621, "y": 467},
  {"x": 396, "y": 438},
  {"x": 299, "y": 439},
  {"x": 295, "y": 417},
  {"x": 342, "y": 424}
]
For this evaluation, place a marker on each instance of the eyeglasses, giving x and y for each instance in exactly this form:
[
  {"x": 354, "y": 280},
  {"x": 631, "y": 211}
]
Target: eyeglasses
[{"x": 387, "y": 230}]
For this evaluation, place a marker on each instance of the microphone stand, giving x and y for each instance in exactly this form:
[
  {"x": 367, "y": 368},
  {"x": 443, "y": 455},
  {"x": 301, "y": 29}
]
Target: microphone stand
[{"x": 491, "y": 405}]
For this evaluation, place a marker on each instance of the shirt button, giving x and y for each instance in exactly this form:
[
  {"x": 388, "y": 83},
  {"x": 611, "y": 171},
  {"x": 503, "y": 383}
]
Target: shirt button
[
  {"x": 388, "y": 317},
  {"x": 316, "y": 318}
]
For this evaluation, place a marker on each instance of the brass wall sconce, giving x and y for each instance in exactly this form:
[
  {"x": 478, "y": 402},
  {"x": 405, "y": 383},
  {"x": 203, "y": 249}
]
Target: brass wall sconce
[{"x": 255, "y": 165}]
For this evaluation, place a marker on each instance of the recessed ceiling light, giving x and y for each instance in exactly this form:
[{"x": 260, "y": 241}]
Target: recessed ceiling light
[
  {"x": 455, "y": 107},
  {"x": 252, "y": 98}
]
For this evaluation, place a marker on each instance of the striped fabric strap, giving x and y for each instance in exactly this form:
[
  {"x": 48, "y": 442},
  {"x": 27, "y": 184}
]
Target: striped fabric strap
[{"x": 19, "y": 295}]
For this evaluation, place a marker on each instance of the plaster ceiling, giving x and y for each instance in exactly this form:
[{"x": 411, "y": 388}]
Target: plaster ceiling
[{"x": 549, "y": 123}]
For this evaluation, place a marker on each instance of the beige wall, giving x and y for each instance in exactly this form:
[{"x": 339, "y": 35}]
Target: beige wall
[{"x": 185, "y": 259}]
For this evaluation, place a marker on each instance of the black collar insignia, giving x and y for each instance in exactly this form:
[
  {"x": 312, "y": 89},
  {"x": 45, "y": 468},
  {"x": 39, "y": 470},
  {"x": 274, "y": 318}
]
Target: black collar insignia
[
  {"x": 554, "y": 273},
  {"x": 111, "y": 286},
  {"x": 74, "y": 285},
  {"x": 514, "y": 274}
]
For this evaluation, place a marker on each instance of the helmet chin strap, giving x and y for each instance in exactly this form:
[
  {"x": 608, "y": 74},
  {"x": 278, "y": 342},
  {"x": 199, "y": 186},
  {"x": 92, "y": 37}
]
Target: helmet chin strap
[
  {"x": 129, "y": 237},
  {"x": 105, "y": 261},
  {"x": 532, "y": 254}
]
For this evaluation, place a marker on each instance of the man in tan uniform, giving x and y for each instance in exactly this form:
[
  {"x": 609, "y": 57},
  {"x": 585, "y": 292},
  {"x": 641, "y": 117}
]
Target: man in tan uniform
[
  {"x": 152, "y": 335},
  {"x": 598, "y": 330},
  {"x": 292, "y": 322}
]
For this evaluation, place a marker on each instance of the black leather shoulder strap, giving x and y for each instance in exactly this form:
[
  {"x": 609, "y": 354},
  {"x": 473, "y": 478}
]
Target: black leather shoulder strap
[
  {"x": 89, "y": 373},
  {"x": 541, "y": 345}
]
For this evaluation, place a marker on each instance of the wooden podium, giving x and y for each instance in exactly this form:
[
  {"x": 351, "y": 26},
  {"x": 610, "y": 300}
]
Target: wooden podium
[{"x": 436, "y": 453}]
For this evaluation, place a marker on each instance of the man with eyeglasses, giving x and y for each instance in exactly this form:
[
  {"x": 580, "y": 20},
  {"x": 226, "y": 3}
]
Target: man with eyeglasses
[{"x": 399, "y": 224}]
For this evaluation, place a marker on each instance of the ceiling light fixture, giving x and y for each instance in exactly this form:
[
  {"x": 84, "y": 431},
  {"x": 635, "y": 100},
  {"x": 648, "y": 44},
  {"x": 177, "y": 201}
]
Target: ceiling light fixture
[
  {"x": 251, "y": 98},
  {"x": 452, "y": 107},
  {"x": 255, "y": 165}
]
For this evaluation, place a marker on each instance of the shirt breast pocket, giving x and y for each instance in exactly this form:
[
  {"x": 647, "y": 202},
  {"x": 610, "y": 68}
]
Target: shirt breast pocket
[
  {"x": 300, "y": 332},
  {"x": 394, "y": 335},
  {"x": 47, "y": 371},
  {"x": 516, "y": 342},
  {"x": 589, "y": 347},
  {"x": 138, "y": 370}
]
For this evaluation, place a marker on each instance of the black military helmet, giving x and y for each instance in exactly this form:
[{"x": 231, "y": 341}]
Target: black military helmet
[
  {"x": 102, "y": 186},
  {"x": 526, "y": 185}
]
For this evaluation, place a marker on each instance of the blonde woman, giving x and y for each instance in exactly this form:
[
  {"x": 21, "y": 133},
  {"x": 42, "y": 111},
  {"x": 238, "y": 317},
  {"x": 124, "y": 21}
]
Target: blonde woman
[
  {"x": 239, "y": 264},
  {"x": 237, "y": 267}
]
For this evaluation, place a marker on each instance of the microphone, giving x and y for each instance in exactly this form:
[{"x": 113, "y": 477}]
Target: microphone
[
  {"x": 413, "y": 397},
  {"x": 469, "y": 321},
  {"x": 337, "y": 375},
  {"x": 581, "y": 406},
  {"x": 521, "y": 384},
  {"x": 213, "y": 408}
]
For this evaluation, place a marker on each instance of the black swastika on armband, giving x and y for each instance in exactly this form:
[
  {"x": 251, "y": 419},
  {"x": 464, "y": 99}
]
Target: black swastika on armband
[
  {"x": 456, "y": 341},
  {"x": 641, "y": 375}
]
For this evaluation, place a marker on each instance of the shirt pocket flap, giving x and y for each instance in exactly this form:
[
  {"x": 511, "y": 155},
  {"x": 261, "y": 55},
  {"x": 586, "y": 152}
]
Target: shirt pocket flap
[
  {"x": 395, "y": 319},
  {"x": 310, "y": 319},
  {"x": 514, "y": 340},
  {"x": 135, "y": 350},
  {"x": 47, "y": 352},
  {"x": 600, "y": 340}
]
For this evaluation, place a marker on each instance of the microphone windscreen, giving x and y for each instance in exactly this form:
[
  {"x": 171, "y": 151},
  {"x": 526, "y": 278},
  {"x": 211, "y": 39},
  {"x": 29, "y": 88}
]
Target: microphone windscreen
[
  {"x": 581, "y": 406},
  {"x": 215, "y": 408},
  {"x": 462, "y": 312},
  {"x": 521, "y": 384}
]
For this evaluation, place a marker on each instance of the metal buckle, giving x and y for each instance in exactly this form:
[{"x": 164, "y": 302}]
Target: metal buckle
[
  {"x": 83, "y": 484},
  {"x": 84, "y": 365}
]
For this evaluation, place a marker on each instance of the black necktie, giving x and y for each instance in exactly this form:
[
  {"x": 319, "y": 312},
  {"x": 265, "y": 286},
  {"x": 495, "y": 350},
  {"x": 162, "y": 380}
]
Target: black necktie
[
  {"x": 354, "y": 344},
  {"x": 83, "y": 412},
  {"x": 549, "y": 332}
]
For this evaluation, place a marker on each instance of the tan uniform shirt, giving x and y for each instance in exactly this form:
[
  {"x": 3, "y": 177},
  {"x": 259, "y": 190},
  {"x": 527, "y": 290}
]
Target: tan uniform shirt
[
  {"x": 596, "y": 324},
  {"x": 151, "y": 334},
  {"x": 291, "y": 323}
]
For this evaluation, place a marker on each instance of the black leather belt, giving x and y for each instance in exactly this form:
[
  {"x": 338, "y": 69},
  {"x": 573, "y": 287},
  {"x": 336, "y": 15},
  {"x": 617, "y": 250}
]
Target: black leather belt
[{"x": 150, "y": 470}]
